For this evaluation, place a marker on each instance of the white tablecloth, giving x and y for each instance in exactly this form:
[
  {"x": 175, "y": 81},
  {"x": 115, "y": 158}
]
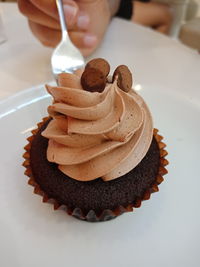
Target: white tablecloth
[
  {"x": 165, "y": 230},
  {"x": 153, "y": 57}
]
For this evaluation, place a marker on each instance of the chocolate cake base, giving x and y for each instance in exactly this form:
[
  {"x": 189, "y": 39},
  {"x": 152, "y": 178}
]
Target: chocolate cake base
[{"x": 97, "y": 195}]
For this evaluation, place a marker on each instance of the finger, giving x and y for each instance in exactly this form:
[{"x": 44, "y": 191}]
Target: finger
[
  {"x": 36, "y": 15},
  {"x": 49, "y": 7},
  {"x": 47, "y": 36},
  {"x": 82, "y": 21},
  {"x": 82, "y": 39},
  {"x": 51, "y": 37},
  {"x": 99, "y": 14},
  {"x": 75, "y": 17}
]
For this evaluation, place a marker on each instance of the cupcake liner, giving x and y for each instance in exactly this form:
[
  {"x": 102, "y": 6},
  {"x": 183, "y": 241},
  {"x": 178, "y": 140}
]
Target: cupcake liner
[{"x": 107, "y": 214}]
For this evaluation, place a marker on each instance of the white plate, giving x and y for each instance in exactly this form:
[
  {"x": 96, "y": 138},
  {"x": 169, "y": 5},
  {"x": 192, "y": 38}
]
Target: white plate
[{"x": 163, "y": 232}]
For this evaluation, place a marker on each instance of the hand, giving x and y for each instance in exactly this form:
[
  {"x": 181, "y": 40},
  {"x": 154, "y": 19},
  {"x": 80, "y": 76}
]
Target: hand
[
  {"x": 87, "y": 21},
  {"x": 155, "y": 15}
]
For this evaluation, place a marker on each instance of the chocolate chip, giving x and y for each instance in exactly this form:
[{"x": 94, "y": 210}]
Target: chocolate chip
[
  {"x": 100, "y": 64},
  {"x": 124, "y": 80},
  {"x": 93, "y": 80}
]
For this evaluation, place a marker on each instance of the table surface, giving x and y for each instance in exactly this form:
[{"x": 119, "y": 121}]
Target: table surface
[
  {"x": 165, "y": 230},
  {"x": 25, "y": 63}
]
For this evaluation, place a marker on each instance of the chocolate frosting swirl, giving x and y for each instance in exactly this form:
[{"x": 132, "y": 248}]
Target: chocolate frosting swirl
[{"x": 96, "y": 135}]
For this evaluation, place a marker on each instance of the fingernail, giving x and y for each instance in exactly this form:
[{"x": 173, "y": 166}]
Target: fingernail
[
  {"x": 83, "y": 21},
  {"x": 70, "y": 10},
  {"x": 90, "y": 40}
]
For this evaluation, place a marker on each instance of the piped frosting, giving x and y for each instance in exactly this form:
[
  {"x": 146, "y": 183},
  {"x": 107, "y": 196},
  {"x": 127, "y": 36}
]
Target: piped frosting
[{"x": 93, "y": 135}]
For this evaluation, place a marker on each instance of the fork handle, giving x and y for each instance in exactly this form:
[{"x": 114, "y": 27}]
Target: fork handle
[{"x": 63, "y": 25}]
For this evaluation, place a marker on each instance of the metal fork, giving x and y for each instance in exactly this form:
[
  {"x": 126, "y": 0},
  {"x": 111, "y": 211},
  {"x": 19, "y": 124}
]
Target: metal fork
[{"x": 66, "y": 57}]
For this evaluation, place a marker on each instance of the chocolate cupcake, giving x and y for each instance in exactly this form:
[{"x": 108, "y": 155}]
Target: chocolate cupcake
[{"x": 97, "y": 153}]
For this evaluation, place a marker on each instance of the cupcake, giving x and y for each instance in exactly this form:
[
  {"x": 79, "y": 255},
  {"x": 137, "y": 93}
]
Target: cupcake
[{"x": 97, "y": 153}]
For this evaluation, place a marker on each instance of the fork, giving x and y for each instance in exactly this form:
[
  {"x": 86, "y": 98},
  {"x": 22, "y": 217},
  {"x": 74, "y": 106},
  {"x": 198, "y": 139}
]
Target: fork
[{"x": 66, "y": 57}]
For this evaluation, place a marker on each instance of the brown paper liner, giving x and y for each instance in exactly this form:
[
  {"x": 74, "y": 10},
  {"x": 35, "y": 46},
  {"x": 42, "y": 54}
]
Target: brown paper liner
[{"x": 107, "y": 214}]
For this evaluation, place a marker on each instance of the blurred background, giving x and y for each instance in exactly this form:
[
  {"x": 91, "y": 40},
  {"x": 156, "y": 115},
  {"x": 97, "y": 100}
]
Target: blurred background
[{"x": 186, "y": 20}]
